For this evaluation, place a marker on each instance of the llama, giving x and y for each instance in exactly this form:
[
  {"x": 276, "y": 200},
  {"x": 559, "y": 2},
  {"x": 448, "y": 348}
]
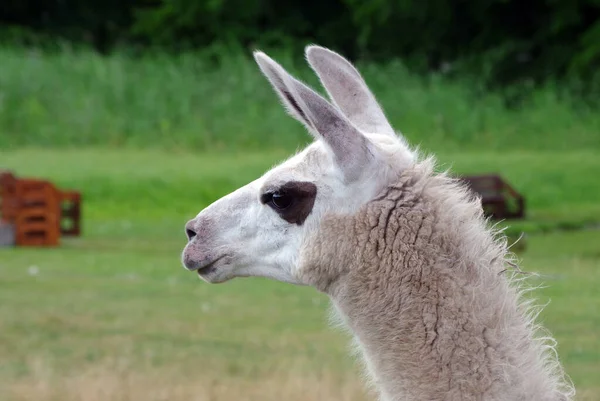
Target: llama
[{"x": 403, "y": 252}]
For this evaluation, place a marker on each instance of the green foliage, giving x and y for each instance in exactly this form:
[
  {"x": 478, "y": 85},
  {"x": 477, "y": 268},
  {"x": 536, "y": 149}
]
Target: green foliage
[
  {"x": 78, "y": 98},
  {"x": 99, "y": 23},
  {"x": 509, "y": 42}
]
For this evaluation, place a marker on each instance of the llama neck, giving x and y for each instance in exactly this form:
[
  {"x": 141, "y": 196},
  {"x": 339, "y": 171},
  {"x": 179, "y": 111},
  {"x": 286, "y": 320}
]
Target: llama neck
[{"x": 433, "y": 316}]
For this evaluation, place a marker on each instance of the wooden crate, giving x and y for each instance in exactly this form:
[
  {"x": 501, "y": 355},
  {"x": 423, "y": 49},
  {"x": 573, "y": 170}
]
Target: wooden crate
[
  {"x": 8, "y": 197},
  {"x": 498, "y": 199},
  {"x": 38, "y": 211},
  {"x": 38, "y": 216}
]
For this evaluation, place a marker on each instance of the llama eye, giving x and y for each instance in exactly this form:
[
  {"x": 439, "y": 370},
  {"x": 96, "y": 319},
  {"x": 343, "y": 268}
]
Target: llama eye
[
  {"x": 281, "y": 200},
  {"x": 292, "y": 201}
]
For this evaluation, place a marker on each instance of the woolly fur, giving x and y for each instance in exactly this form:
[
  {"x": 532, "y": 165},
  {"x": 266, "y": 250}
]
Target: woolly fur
[{"x": 425, "y": 286}]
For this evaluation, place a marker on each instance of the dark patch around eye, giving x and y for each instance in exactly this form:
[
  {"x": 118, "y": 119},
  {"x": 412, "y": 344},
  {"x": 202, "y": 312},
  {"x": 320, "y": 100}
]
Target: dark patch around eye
[{"x": 303, "y": 196}]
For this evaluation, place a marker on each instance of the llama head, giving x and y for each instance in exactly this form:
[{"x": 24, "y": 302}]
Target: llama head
[{"x": 260, "y": 229}]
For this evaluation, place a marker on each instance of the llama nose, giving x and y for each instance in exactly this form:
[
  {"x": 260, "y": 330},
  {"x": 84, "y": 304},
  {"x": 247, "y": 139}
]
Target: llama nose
[{"x": 190, "y": 231}]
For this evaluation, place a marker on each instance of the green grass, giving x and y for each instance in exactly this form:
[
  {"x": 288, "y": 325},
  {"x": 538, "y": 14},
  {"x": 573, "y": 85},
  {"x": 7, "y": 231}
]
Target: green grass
[
  {"x": 70, "y": 99},
  {"x": 113, "y": 315},
  {"x": 153, "y": 184}
]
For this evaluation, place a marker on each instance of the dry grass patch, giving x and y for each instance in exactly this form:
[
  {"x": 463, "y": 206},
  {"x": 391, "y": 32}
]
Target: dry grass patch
[{"x": 121, "y": 381}]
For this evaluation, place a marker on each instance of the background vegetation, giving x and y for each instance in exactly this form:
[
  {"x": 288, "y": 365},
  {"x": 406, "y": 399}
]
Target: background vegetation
[
  {"x": 154, "y": 109},
  {"x": 509, "y": 41},
  {"x": 80, "y": 98}
]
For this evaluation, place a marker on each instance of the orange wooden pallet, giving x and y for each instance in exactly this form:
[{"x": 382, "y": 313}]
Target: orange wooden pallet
[
  {"x": 8, "y": 198},
  {"x": 38, "y": 215},
  {"x": 39, "y": 211}
]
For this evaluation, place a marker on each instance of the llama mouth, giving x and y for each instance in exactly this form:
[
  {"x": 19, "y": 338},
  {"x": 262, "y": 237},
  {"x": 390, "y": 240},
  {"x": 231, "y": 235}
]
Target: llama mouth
[
  {"x": 208, "y": 268},
  {"x": 203, "y": 271}
]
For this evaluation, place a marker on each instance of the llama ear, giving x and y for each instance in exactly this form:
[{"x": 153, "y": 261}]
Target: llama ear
[
  {"x": 324, "y": 121},
  {"x": 348, "y": 90}
]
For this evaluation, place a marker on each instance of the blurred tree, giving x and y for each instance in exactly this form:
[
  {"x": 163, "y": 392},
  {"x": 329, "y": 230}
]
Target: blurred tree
[
  {"x": 98, "y": 23},
  {"x": 506, "y": 41}
]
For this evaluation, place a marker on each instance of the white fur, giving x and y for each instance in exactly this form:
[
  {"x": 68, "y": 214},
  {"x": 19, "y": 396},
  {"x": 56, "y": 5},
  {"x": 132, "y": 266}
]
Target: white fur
[{"x": 254, "y": 239}]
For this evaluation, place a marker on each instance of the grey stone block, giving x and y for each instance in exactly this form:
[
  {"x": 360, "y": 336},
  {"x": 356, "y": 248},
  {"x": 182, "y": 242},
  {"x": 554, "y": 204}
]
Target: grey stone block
[{"x": 7, "y": 235}]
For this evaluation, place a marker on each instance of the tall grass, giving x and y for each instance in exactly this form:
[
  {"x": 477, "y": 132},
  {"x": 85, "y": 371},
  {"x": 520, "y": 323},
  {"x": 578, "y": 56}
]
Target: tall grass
[{"x": 78, "y": 98}]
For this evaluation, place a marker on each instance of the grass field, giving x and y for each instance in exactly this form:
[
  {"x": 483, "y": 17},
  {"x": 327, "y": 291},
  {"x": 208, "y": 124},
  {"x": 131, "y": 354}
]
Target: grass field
[{"x": 114, "y": 316}]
